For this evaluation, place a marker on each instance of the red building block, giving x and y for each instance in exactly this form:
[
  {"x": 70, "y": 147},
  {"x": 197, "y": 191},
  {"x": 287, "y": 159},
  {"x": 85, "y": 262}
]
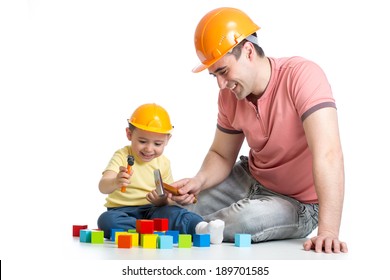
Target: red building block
[
  {"x": 160, "y": 224},
  {"x": 144, "y": 226},
  {"x": 77, "y": 228}
]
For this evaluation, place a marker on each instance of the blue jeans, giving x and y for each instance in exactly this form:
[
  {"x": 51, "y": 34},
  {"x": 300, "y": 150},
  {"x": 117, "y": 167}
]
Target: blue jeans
[
  {"x": 248, "y": 207},
  {"x": 125, "y": 218}
]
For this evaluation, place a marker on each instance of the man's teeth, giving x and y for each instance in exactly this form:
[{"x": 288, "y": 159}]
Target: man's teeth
[{"x": 233, "y": 86}]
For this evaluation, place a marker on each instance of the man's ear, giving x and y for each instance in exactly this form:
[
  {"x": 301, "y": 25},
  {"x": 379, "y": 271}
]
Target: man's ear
[{"x": 128, "y": 133}]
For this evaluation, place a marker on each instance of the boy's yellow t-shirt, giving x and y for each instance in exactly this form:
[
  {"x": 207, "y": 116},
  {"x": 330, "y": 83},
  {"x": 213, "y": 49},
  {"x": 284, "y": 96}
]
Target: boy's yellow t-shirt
[{"x": 141, "y": 182}]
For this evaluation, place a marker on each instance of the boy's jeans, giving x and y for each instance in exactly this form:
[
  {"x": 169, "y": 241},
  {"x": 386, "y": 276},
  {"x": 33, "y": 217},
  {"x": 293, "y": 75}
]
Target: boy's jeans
[{"x": 248, "y": 207}]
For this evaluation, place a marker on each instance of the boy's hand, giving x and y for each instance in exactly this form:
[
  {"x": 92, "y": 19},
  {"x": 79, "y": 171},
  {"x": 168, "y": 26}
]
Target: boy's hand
[
  {"x": 157, "y": 200},
  {"x": 123, "y": 178}
]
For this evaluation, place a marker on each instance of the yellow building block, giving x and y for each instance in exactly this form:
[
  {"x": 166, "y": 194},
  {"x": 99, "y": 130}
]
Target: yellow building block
[
  {"x": 120, "y": 233},
  {"x": 134, "y": 238},
  {"x": 149, "y": 241}
]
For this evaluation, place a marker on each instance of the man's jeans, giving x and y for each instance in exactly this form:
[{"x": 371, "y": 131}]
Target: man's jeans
[{"x": 248, "y": 207}]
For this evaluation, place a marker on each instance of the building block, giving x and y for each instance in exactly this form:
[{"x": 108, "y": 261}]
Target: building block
[
  {"x": 242, "y": 240},
  {"x": 114, "y": 233},
  {"x": 135, "y": 240},
  {"x": 124, "y": 240},
  {"x": 144, "y": 226},
  {"x": 160, "y": 224},
  {"x": 118, "y": 233},
  {"x": 97, "y": 236},
  {"x": 85, "y": 235},
  {"x": 131, "y": 230},
  {"x": 185, "y": 241},
  {"x": 77, "y": 228},
  {"x": 149, "y": 241},
  {"x": 174, "y": 234},
  {"x": 165, "y": 242},
  {"x": 159, "y": 232},
  {"x": 201, "y": 240}
]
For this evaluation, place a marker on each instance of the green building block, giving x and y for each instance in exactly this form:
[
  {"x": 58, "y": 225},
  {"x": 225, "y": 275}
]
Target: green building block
[
  {"x": 97, "y": 236},
  {"x": 185, "y": 241}
]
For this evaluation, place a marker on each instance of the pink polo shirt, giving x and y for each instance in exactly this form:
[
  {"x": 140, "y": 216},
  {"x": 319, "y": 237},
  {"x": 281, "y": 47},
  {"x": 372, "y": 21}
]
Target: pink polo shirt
[{"x": 279, "y": 156}]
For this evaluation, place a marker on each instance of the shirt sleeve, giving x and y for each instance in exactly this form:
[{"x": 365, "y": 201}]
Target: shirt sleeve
[
  {"x": 309, "y": 88},
  {"x": 118, "y": 159},
  {"x": 227, "y": 107}
]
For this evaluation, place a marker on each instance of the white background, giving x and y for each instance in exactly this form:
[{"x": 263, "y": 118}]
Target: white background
[{"x": 72, "y": 72}]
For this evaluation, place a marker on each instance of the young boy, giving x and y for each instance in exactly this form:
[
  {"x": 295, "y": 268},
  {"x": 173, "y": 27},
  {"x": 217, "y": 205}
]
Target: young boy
[{"x": 133, "y": 196}]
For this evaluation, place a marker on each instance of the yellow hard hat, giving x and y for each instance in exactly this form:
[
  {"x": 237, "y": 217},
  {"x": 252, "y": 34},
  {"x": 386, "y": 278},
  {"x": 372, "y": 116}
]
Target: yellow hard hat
[
  {"x": 151, "y": 117},
  {"x": 218, "y": 32}
]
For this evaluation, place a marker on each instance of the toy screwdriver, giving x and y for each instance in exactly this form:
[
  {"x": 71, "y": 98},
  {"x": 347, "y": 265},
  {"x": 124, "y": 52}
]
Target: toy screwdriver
[{"x": 130, "y": 163}]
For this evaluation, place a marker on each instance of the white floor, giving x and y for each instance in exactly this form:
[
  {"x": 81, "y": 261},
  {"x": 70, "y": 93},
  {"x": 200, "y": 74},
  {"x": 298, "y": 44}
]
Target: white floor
[{"x": 273, "y": 250}]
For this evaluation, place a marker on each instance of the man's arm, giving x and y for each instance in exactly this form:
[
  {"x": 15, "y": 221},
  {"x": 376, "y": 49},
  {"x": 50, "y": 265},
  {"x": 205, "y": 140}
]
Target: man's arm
[
  {"x": 220, "y": 158},
  {"x": 322, "y": 134}
]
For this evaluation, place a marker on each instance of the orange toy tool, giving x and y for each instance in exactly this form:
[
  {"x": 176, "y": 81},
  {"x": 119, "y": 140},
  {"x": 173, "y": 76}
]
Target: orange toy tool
[
  {"x": 130, "y": 163},
  {"x": 174, "y": 190}
]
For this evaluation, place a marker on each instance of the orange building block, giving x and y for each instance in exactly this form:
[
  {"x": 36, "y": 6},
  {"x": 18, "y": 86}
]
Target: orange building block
[{"x": 124, "y": 241}]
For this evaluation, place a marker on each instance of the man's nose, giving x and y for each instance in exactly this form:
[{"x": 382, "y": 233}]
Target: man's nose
[{"x": 222, "y": 82}]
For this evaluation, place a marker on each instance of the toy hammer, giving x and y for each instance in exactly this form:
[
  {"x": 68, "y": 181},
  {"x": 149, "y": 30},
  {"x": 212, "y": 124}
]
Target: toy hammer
[
  {"x": 130, "y": 163},
  {"x": 161, "y": 186}
]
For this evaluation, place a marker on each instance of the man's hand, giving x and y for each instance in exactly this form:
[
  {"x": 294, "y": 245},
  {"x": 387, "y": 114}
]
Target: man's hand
[
  {"x": 187, "y": 188},
  {"x": 325, "y": 243}
]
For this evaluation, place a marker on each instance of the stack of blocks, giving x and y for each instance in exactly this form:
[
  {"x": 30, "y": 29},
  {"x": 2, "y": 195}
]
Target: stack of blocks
[{"x": 152, "y": 234}]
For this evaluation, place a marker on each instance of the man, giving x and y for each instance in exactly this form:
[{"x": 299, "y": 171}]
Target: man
[{"x": 293, "y": 179}]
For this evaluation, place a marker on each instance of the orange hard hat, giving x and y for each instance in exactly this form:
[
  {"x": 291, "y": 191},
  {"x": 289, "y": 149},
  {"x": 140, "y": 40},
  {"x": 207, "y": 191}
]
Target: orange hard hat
[
  {"x": 151, "y": 117},
  {"x": 218, "y": 32}
]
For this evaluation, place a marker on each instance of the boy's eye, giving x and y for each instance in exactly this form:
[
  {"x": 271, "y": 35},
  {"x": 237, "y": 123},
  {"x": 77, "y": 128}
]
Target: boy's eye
[{"x": 158, "y": 144}]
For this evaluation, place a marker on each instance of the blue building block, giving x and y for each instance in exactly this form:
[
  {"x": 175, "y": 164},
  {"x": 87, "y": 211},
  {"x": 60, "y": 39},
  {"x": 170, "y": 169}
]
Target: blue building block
[
  {"x": 242, "y": 240},
  {"x": 165, "y": 242},
  {"x": 174, "y": 234},
  {"x": 201, "y": 240},
  {"x": 85, "y": 235},
  {"x": 113, "y": 231}
]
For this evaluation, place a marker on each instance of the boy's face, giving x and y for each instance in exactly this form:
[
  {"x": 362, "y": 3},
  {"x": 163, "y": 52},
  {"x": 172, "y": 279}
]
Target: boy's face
[{"x": 147, "y": 145}]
